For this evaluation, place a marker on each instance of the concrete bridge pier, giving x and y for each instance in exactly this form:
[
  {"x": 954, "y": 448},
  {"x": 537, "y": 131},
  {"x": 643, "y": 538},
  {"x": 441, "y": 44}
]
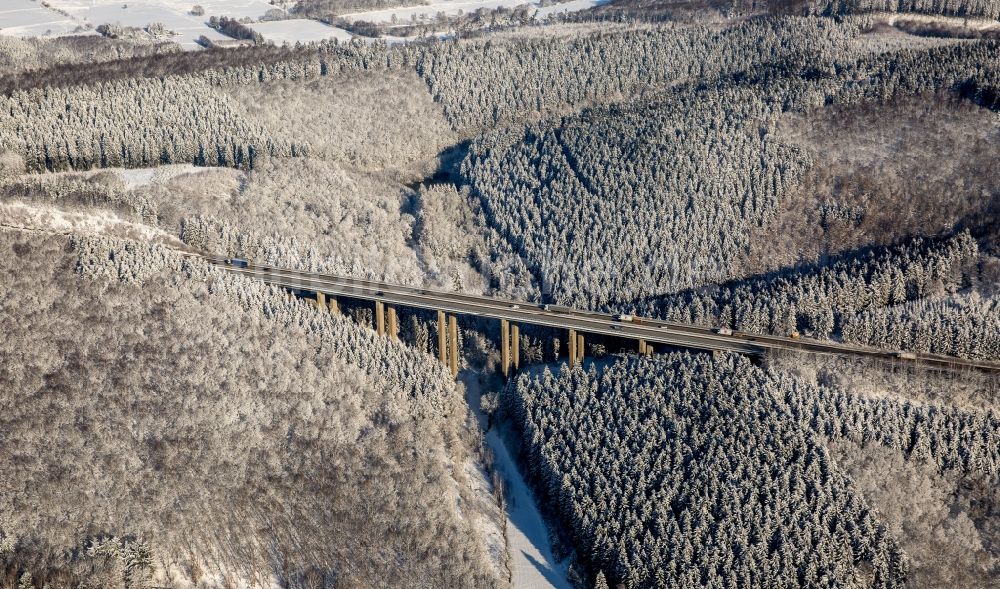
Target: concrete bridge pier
[
  {"x": 320, "y": 301},
  {"x": 572, "y": 348},
  {"x": 580, "y": 348},
  {"x": 510, "y": 347},
  {"x": 393, "y": 324},
  {"x": 505, "y": 347},
  {"x": 515, "y": 345},
  {"x": 453, "y": 329},
  {"x": 380, "y": 317},
  {"x": 442, "y": 339},
  {"x": 334, "y": 306}
]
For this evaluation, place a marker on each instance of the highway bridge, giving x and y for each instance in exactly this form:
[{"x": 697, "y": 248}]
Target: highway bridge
[{"x": 646, "y": 332}]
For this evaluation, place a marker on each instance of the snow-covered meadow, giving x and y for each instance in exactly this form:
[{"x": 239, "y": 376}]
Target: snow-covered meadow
[
  {"x": 298, "y": 30},
  {"x": 424, "y": 12},
  {"x": 566, "y": 7},
  {"x": 28, "y": 18}
]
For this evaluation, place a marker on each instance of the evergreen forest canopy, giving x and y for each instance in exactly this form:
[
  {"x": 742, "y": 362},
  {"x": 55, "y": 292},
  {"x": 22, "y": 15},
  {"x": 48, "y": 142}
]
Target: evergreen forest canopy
[
  {"x": 816, "y": 169},
  {"x": 688, "y": 471}
]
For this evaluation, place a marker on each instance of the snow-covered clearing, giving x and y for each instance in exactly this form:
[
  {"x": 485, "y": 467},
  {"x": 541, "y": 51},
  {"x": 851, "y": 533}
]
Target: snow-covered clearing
[
  {"x": 138, "y": 177},
  {"x": 28, "y": 18},
  {"x": 174, "y": 15},
  {"x": 532, "y": 564},
  {"x": 23, "y": 216},
  {"x": 298, "y": 30},
  {"x": 564, "y": 7},
  {"x": 425, "y": 12},
  {"x": 975, "y": 24},
  {"x": 404, "y": 14},
  {"x": 396, "y": 40}
]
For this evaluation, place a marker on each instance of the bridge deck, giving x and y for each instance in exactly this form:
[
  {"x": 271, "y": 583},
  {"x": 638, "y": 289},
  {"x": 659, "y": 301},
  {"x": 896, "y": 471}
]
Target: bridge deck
[{"x": 650, "y": 330}]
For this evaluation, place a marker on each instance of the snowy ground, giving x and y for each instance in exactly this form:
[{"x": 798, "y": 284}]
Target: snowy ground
[
  {"x": 28, "y": 18},
  {"x": 175, "y": 15},
  {"x": 976, "y": 24},
  {"x": 138, "y": 177},
  {"x": 298, "y": 30},
  {"x": 532, "y": 564},
  {"x": 404, "y": 14},
  {"x": 34, "y": 217},
  {"x": 423, "y": 12},
  {"x": 571, "y": 6}
]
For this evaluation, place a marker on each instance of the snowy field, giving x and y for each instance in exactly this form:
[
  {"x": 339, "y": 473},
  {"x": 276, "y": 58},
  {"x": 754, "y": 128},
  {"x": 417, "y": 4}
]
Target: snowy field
[
  {"x": 28, "y": 18},
  {"x": 175, "y": 15},
  {"x": 422, "y": 12},
  {"x": 564, "y": 7},
  {"x": 299, "y": 29},
  {"x": 404, "y": 14}
]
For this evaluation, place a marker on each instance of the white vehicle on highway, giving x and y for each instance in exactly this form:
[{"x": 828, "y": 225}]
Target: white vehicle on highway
[
  {"x": 724, "y": 331},
  {"x": 515, "y": 307},
  {"x": 624, "y": 317}
]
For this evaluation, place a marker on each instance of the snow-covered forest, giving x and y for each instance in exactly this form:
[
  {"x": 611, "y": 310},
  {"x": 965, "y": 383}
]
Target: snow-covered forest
[
  {"x": 655, "y": 465},
  {"x": 132, "y": 124},
  {"x": 963, "y": 325},
  {"x": 822, "y": 299},
  {"x": 814, "y": 170},
  {"x": 166, "y": 405},
  {"x": 974, "y": 8}
]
